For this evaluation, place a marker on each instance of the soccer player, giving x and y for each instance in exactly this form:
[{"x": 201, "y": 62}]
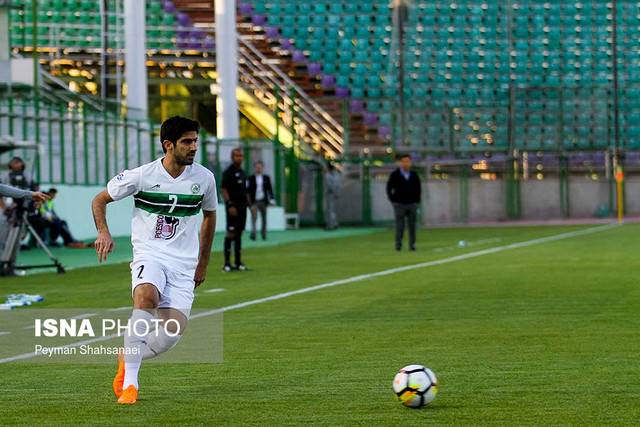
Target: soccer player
[
  {"x": 236, "y": 201},
  {"x": 168, "y": 260}
]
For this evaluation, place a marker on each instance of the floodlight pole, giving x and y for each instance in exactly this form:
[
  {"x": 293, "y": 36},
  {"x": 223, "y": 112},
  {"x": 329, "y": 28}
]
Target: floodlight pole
[
  {"x": 227, "y": 68},
  {"x": 135, "y": 58},
  {"x": 400, "y": 16},
  {"x": 104, "y": 29}
]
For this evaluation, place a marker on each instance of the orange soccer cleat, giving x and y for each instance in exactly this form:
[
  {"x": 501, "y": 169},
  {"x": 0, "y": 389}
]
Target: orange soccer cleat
[
  {"x": 129, "y": 396},
  {"x": 118, "y": 381}
]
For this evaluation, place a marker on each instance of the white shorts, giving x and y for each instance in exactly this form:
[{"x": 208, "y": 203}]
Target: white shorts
[{"x": 175, "y": 286}]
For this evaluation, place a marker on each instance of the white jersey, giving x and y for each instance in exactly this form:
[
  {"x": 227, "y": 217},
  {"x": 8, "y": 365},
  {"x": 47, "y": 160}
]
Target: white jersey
[{"x": 165, "y": 223}]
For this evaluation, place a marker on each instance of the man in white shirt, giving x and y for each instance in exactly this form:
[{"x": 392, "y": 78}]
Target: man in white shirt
[{"x": 170, "y": 257}]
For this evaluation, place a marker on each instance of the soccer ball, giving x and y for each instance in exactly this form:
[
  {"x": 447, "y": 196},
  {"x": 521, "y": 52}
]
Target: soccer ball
[{"x": 415, "y": 386}]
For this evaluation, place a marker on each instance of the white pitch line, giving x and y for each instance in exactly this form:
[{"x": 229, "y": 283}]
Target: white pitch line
[
  {"x": 126, "y": 307},
  {"x": 4, "y": 333},
  {"x": 210, "y": 291},
  {"x": 359, "y": 278}
]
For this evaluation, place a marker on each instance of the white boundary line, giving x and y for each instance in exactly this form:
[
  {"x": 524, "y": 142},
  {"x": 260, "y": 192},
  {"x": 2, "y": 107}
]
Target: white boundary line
[{"x": 359, "y": 278}]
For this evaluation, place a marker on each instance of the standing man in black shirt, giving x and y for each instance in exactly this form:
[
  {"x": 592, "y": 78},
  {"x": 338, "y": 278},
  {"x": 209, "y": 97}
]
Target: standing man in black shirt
[
  {"x": 404, "y": 192},
  {"x": 236, "y": 200}
]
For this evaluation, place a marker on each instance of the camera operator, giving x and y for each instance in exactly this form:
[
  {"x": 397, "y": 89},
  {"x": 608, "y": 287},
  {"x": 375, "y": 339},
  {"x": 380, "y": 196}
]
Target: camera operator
[
  {"x": 19, "y": 180},
  {"x": 20, "y": 191},
  {"x": 17, "y": 193}
]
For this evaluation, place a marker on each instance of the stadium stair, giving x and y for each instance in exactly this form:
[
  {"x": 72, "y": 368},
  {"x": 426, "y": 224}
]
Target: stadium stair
[{"x": 321, "y": 87}]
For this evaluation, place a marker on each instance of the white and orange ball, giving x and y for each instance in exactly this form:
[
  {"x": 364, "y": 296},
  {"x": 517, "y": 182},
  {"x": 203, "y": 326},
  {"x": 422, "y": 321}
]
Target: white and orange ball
[{"x": 415, "y": 386}]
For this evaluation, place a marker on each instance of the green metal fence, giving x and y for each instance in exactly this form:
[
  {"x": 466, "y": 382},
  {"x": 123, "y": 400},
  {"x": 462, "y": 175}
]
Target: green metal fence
[{"x": 78, "y": 145}]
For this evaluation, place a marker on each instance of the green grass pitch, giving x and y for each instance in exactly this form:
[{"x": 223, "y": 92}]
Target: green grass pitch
[{"x": 539, "y": 335}]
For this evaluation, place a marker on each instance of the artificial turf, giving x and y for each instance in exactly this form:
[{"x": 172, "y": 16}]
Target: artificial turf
[{"x": 538, "y": 335}]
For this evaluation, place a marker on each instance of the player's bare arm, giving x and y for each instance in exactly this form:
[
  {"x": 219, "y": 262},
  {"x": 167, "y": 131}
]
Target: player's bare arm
[
  {"x": 104, "y": 243},
  {"x": 207, "y": 230}
]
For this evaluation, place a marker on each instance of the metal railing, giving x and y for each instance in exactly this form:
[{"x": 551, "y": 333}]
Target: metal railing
[
  {"x": 276, "y": 90},
  {"x": 78, "y": 145}
]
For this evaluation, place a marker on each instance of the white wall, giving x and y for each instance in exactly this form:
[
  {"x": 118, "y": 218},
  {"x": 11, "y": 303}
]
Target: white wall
[{"x": 73, "y": 203}]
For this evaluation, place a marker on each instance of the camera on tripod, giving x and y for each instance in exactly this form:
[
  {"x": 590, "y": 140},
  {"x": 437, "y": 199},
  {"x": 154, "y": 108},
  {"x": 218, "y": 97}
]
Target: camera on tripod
[
  {"x": 18, "y": 178},
  {"x": 18, "y": 220}
]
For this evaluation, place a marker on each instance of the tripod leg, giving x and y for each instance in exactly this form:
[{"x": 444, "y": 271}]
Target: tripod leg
[
  {"x": 44, "y": 247},
  {"x": 10, "y": 252}
]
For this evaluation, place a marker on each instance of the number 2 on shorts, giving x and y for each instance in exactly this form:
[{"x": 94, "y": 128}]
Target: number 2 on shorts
[{"x": 140, "y": 270}]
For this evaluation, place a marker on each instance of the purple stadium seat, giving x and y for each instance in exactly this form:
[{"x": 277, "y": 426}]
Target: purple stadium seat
[
  {"x": 356, "y": 106},
  {"x": 342, "y": 92},
  {"x": 328, "y": 81},
  {"x": 168, "y": 6},
  {"x": 184, "y": 19},
  {"x": 245, "y": 8},
  {"x": 259, "y": 20},
  {"x": 314, "y": 68},
  {"x": 298, "y": 56},
  {"x": 384, "y": 132},
  {"x": 286, "y": 44},
  {"x": 209, "y": 43},
  {"x": 272, "y": 32},
  {"x": 370, "y": 119}
]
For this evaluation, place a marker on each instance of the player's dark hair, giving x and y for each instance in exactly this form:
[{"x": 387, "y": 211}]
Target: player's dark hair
[
  {"x": 258, "y": 162},
  {"x": 403, "y": 156},
  {"x": 174, "y": 127},
  {"x": 52, "y": 191}
]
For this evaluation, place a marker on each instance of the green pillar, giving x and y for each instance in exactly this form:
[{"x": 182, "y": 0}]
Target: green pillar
[
  {"x": 63, "y": 173},
  {"x": 50, "y": 141},
  {"x": 291, "y": 171},
  {"x": 36, "y": 84},
  {"x": 74, "y": 145},
  {"x": 218, "y": 170},
  {"x": 319, "y": 195},
  {"x": 34, "y": 39},
  {"x": 564, "y": 186},
  {"x": 277, "y": 171},
  {"x": 464, "y": 193},
  {"x": 277, "y": 152},
  {"x": 513, "y": 189},
  {"x": 246, "y": 150},
  {"x": 36, "y": 122},
  {"x": 85, "y": 145},
  {"x": 346, "y": 124},
  {"x": 203, "y": 148},
  {"x": 107, "y": 153},
  {"x": 366, "y": 193},
  {"x": 126, "y": 142}
]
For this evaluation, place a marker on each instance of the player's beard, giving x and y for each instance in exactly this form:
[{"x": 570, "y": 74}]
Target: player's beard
[{"x": 186, "y": 160}]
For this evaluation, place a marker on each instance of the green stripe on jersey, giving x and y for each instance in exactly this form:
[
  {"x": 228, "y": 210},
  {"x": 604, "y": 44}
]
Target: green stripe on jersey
[
  {"x": 166, "y": 209},
  {"x": 183, "y": 199}
]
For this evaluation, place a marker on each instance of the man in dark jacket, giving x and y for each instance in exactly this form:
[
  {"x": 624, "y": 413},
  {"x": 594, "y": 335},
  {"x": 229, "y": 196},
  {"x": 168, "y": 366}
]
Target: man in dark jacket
[
  {"x": 404, "y": 192},
  {"x": 260, "y": 196}
]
